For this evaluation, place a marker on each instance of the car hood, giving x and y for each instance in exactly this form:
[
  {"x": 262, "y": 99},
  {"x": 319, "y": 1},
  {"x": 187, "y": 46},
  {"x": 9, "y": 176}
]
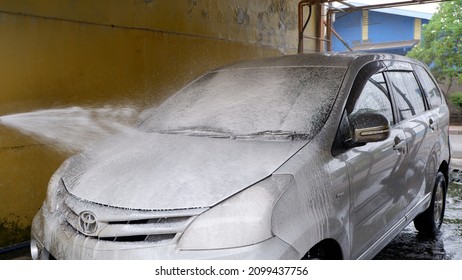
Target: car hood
[{"x": 161, "y": 171}]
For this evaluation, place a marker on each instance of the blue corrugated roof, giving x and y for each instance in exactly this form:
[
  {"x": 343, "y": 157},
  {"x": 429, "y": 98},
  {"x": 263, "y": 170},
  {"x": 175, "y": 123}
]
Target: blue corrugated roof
[
  {"x": 406, "y": 13},
  {"x": 396, "y": 11}
]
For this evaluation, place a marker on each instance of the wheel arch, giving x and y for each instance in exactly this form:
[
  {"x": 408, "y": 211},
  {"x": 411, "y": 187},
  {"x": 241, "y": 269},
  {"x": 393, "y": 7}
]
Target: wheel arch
[
  {"x": 444, "y": 168},
  {"x": 327, "y": 249}
]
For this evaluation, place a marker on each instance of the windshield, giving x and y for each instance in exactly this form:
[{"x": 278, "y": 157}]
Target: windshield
[{"x": 293, "y": 100}]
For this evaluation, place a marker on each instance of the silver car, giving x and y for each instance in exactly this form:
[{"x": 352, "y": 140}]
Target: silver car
[{"x": 324, "y": 156}]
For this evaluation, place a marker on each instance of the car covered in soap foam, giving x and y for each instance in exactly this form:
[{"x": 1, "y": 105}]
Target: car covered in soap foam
[{"x": 325, "y": 156}]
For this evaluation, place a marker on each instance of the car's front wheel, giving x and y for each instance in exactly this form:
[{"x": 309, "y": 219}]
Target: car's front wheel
[{"x": 430, "y": 221}]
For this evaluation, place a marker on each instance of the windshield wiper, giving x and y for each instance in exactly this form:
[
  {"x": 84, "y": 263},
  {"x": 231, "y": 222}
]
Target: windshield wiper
[
  {"x": 199, "y": 132},
  {"x": 273, "y": 134},
  {"x": 265, "y": 135}
]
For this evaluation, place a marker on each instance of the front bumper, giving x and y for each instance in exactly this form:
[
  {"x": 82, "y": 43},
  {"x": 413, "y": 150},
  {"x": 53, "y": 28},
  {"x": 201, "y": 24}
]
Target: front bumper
[{"x": 51, "y": 237}]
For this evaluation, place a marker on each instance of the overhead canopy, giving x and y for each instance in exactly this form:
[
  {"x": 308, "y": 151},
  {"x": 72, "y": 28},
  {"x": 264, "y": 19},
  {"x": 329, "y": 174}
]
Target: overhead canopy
[
  {"x": 391, "y": 47},
  {"x": 379, "y": 4}
]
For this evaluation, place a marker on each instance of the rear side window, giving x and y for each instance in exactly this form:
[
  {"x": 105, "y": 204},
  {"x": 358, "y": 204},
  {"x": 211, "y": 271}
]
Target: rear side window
[
  {"x": 408, "y": 97},
  {"x": 429, "y": 87}
]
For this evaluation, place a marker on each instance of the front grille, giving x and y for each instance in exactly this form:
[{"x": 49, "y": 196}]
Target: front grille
[
  {"x": 141, "y": 238},
  {"x": 125, "y": 225}
]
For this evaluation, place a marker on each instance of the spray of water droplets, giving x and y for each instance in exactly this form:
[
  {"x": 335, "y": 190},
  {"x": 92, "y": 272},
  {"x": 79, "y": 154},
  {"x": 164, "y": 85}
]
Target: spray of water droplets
[{"x": 73, "y": 129}]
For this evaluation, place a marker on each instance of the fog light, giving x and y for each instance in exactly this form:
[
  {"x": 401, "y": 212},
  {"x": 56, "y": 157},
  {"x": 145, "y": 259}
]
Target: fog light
[{"x": 38, "y": 251}]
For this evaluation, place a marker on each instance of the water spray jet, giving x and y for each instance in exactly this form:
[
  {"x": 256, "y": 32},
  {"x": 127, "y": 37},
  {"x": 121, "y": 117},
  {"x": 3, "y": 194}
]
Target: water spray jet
[{"x": 72, "y": 129}]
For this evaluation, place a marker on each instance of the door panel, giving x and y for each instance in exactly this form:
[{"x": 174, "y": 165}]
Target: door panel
[
  {"x": 420, "y": 127},
  {"x": 377, "y": 170}
]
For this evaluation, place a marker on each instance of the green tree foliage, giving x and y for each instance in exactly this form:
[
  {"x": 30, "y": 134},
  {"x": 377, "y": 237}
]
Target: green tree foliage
[
  {"x": 441, "y": 47},
  {"x": 456, "y": 100}
]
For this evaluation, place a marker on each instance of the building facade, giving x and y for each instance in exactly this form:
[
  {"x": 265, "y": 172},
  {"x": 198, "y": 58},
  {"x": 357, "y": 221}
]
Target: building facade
[{"x": 389, "y": 30}]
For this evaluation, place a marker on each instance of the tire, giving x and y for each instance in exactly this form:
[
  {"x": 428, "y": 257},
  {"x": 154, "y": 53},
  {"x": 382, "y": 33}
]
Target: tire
[{"x": 430, "y": 221}]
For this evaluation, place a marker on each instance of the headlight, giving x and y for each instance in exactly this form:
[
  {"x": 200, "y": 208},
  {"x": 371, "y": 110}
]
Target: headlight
[
  {"x": 56, "y": 188},
  {"x": 241, "y": 220}
]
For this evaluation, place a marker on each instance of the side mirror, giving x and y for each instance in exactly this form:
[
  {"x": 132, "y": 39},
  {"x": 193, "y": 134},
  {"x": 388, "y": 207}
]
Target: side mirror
[{"x": 369, "y": 127}]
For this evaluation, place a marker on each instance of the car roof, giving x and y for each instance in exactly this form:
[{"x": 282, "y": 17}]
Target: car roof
[{"x": 316, "y": 60}]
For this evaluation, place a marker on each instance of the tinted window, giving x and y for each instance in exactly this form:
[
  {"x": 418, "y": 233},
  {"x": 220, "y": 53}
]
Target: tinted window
[
  {"x": 430, "y": 88},
  {"x": 374, "y": 98},
  {"x": 409, "y": 100}
]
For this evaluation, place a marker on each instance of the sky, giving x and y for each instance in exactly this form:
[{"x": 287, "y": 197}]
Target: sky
[{"x": 426, "y": 8}]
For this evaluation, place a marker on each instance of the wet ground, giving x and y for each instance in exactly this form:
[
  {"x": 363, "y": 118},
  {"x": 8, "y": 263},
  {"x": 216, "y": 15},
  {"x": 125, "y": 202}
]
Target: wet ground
[
  {"x": 21, "y": 253},
  {"x": 410, "y": 245}
]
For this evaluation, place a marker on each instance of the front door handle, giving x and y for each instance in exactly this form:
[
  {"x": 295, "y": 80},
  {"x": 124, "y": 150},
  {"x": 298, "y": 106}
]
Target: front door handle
[
  {"x": 432, "y": 125},
  {"x": 400, "y": 145}
]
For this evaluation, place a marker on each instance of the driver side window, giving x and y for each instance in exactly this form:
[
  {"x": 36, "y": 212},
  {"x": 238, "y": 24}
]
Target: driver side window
[
  {"x": 369, "y": 94},
  {"x": 374, "y": 98}
]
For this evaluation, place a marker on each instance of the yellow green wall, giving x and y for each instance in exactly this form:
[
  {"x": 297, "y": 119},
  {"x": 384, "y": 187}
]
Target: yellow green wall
[{"x": 60, "y": 53}]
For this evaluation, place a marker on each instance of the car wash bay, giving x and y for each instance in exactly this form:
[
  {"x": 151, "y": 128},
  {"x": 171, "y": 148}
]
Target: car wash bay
[{"x": 61, "y": 55}]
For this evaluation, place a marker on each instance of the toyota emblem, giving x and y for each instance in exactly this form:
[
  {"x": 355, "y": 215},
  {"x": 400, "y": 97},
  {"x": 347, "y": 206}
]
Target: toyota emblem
[{"x": 87, "y": 222}]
